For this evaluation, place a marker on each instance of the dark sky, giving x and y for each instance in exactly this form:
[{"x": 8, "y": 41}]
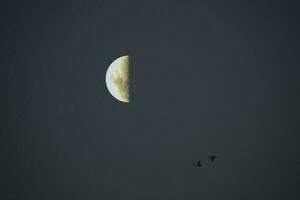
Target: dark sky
[{"x": 207, "y": 77}]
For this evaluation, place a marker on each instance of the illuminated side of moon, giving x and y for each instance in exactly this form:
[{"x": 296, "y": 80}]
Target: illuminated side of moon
[{"x": 117, "y": 79}]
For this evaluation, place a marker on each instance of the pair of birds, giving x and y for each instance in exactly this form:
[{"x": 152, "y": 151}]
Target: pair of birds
[{"x": 211, "y": 158}]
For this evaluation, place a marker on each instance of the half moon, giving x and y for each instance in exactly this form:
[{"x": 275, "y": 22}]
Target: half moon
[{"x": 117, "y": 79}]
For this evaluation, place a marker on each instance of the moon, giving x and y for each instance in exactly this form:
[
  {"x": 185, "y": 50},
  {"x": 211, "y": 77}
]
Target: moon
[{"x": 117, "y": 79}]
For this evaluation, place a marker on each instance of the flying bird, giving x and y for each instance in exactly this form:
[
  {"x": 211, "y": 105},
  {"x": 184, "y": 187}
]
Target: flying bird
[
  {"x": 198, "y": 164},
  {"x": 212, "y": 158}
]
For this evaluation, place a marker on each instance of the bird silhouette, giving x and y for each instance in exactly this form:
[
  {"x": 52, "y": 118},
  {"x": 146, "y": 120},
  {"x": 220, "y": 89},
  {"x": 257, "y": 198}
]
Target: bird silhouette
[
  {"x": 198, "y": 164},
  {"x": 212, "y": 158}
]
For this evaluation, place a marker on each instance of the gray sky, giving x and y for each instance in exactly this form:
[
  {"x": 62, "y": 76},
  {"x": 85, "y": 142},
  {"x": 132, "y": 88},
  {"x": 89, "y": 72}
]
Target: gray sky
[{"x": 207, "y": 77}]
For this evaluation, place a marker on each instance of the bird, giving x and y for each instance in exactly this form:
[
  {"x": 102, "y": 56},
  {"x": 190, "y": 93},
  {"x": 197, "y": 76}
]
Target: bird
[
  {"x": 212, "y": 158},
  {"x": 198, "y": 164}
]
